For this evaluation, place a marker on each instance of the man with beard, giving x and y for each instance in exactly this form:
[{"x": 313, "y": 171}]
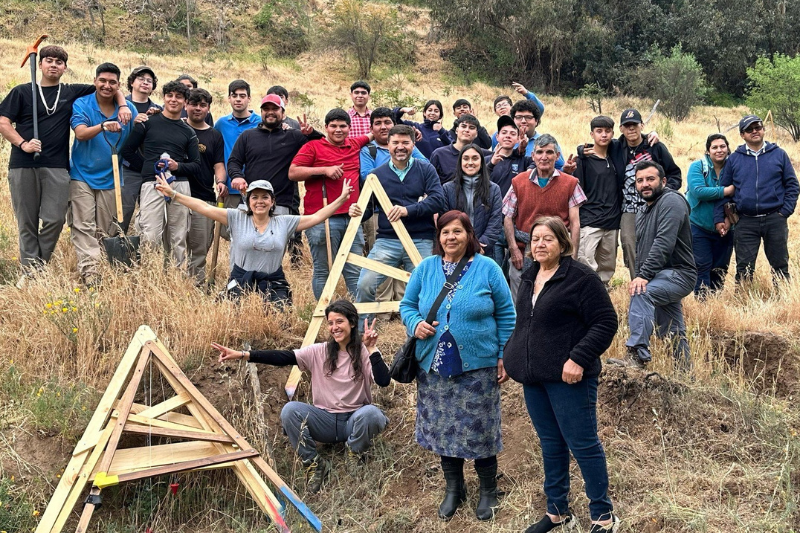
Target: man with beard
[
  {"x": 210, "y": 177},
  {"x": 413, "y": 187},
  {"x": 665, "y": 269},
  {"x": 266, "y": 152}
]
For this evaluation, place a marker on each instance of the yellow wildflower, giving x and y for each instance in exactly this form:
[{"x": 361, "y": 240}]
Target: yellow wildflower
[
  {"x": 74, "y": 330},
  {"x": 74, "y": 309},
  {"x": 35, "y": 513},
  {"x": 63, "y": 309},
  {"x": 77, "y": 290},
  {"x": 49, "y": 306}
]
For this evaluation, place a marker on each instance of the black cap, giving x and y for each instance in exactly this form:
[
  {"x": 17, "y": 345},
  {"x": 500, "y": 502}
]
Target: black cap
[
  {"x": 144, "y": 68},
  {"x": 748, "y": 121},
  {"x": 630, "y": 116},
  {"x": 505, "y": 120}
]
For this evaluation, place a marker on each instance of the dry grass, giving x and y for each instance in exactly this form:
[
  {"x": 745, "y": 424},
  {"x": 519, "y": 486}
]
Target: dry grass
[{"x": 714, "y": 451}]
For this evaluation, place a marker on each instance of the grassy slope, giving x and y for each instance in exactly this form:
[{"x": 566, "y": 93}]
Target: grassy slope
[{"x": 716, "y": 453}]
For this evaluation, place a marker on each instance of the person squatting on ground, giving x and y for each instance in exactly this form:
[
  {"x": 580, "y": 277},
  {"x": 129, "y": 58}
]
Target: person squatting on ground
[
  {"x": 342, "y": 372},
  {"x": 258, "y": 237},
  {"x": 207, "y": 184},
  {"x": 765, "y": 193},
  {"x": 472, "y": 192},
  {"x": 712, "y": 249},
  {"x": 165, "y": 133},
  {"x": 325, "y": 165},
  {"x": 541, "y": 191},
  {"x": 39, "y": 185},
  {"x": 413, "y": 187},
  {"x": 565, "y": 321},
  {"x": 460, "y": 358},
  {"x": 95, "y": 120},
  {"x": 601, "y": 212},
  {"x": 665, "y": 269}
]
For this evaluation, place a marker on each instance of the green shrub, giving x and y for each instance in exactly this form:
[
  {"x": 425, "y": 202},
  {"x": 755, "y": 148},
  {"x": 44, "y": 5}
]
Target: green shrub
[
  {"x": 677, "y": 80},
  {"x": 16, "y": 511},
  {"x": 285, "y": 24},
  {"x": 775, "y": 86}
]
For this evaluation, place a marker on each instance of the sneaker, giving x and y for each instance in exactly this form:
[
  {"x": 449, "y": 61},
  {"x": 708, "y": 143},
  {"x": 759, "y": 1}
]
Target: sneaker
[
  {"x": 353, "y": 460},
  {"x": 631, "y": 359},
  {"x": 317, "y": 471},
  {"x": 608, "y": 528},
  {"x": 546, "y": 524}
]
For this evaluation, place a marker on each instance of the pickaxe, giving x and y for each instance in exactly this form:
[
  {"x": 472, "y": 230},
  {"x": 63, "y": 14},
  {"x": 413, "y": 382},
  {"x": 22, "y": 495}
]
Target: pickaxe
[{"x": 30, "y": 53}]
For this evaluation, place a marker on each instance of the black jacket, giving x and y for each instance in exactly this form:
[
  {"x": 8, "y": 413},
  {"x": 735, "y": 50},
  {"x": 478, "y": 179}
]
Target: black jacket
[{"x": 573, "y": 319}]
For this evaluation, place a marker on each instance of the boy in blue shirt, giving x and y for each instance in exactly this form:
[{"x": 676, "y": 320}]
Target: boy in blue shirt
[{"x": 91, "y": 187}]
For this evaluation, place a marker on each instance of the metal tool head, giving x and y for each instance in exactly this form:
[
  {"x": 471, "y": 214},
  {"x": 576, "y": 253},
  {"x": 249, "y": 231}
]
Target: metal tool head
[{"x": 33, "y": 49}]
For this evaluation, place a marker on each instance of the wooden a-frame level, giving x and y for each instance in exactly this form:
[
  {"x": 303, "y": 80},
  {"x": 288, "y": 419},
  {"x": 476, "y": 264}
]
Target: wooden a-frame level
[
  {"x": 207, "y": 441},
  {"x": 371, "y": 187}
]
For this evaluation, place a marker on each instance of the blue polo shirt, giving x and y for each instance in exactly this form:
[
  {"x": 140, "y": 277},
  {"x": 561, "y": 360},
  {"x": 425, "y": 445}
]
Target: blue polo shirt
[
  {"x": 91, "y": 160},
  {"x": 231, "y": 128}
]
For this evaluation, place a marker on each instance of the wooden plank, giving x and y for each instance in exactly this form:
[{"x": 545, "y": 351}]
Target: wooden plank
[
  {"x": 90, "y": 435},
  {"x": 260, "y": 493},
  {"x": 380, "y": 268},
  {"x": 374, "y": 307},
  {"x": 399, "y": 227},
  {"x": 166, "y": 406},
  {"x": 290, "y": 495},
  {"x": 154, "y": 422},
  {"x": 183, "y": 466},
  {"x": 132, "y": 459},
  {"x": 176, "y": 433},
  {"x": 175, "y": 418}
]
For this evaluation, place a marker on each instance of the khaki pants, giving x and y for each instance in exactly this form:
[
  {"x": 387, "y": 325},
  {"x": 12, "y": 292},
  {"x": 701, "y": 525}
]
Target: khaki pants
[
  {"x": 201, "y": 235},
  {"x": 159, "y": 219},
  {"x": 627, "y": 237},
  {"x": 598, "y": 250},
  {"x": 92, "y": 214}
]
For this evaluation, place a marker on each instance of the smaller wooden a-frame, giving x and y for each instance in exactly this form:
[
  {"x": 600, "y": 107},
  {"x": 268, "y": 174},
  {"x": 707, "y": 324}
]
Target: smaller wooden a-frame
[
  {"x": 372, "y": 187},
  {"x": 208, "y": 441}
]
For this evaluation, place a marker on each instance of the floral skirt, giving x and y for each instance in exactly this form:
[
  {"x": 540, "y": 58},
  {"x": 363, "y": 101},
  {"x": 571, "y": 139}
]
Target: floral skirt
[{"x": 459, "y": 416}]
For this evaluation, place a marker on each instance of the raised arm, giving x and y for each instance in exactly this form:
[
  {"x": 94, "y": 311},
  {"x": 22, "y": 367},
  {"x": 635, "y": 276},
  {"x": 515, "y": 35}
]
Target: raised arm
[{"x": 197, "y": 205}]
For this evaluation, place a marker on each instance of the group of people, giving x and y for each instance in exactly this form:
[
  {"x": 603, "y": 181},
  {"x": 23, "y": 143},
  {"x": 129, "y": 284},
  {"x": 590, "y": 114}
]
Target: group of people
[{"x": 519, "y": 244}]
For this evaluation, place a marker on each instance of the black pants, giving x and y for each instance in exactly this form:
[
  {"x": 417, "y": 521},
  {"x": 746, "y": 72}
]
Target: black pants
[{"x": 774, "y": 230}]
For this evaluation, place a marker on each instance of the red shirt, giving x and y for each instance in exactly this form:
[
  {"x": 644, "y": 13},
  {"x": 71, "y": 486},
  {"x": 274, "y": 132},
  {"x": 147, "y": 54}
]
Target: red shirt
[
  {"x": 359, "y": 125},
  {"x": 321, "y": 153}
]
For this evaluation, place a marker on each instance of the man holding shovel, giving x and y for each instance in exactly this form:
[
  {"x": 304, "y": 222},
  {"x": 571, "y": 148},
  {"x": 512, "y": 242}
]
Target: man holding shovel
[
  {"x": 92, "y": 187},
  {"x": 39, "y": 184}
]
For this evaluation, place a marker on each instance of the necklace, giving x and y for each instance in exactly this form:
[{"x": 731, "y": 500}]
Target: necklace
[{"x": 50, "y": 110}]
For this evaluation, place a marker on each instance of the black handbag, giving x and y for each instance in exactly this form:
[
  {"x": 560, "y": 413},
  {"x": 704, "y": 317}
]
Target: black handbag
[{"x": 405, "y": 365}]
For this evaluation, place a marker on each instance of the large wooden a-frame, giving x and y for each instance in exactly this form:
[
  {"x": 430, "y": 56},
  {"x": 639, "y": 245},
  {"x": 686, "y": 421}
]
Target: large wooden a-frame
[
  {"x": 208, "y": 441},
  {"x": 372, "y": 187}
]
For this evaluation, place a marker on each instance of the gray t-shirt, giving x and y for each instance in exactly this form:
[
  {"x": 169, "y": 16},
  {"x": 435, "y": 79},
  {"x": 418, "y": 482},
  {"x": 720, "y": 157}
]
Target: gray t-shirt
[{"x": 262, "y": 252}]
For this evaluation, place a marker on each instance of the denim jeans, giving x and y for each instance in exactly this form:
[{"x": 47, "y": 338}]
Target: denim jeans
[
  {"x": 565, "y": 418},
  {"x": 304, "y": 424},
  {"x": 712, "y": 254},
  {"x": 319, "y": 253},
  {"x": 660, "y": 305},
  {"x": 389, "y": 252},
  {"x": 774, "y": 230}
]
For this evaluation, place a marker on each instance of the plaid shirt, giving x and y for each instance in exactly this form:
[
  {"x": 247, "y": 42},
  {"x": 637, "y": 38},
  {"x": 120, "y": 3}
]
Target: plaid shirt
[
  {"x": 359, "y": 125},
  {"x": 510, "y": 201}
]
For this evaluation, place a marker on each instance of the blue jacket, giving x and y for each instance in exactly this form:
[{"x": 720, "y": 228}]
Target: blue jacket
[
  {"x": 486, "y": 219},
  {"x": 482, "y": 314},
  {"x": 763, "y": 184},
  {"x": 382, "y": 156},
  {"x": 420, "y": 193},
  {"x": 528, "y": 96},
  {"x": 702, "y": 192},
  {"x": 230, "y": 128},
  {"x": 431, "y": 139}
]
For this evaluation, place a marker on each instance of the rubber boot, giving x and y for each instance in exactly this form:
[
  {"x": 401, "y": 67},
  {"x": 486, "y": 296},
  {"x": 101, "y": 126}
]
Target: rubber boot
[
  {"x": 487, "y": 505},
  {"x": 455, "y": 491}
]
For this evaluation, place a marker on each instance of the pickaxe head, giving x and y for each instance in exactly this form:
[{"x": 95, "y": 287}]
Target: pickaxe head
[{"x": 33, "y": 49}]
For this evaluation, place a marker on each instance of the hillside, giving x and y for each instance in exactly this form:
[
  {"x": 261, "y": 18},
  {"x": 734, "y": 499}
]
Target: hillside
[{"x": 713, "y": 451}]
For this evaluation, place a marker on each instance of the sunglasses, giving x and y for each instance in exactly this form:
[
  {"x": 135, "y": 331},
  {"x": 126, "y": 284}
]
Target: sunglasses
[{"x": 755, "y": 128}]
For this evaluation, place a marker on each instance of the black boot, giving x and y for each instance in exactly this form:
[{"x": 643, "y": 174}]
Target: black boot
[
  {"x": 487, "y": 505},
  {"x": 456, "y": 490}
]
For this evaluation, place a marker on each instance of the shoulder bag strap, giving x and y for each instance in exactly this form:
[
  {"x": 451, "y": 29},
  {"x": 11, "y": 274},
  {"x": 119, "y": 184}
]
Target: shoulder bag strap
[{"x": 448, "y": 285}]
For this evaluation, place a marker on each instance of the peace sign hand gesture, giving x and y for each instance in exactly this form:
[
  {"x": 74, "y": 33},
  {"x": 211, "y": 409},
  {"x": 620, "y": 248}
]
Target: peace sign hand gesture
[{"x": 370, "y": 336}]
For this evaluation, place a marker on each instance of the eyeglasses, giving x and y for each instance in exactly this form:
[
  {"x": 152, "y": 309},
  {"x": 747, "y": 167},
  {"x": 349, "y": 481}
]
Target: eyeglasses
[
  {"x": 525, "y": 118},
  {"x": 752, "y": 129},
  {"x": 145, "y": 79}
]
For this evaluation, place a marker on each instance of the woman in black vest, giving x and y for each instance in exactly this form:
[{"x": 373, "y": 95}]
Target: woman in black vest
[{"x": 565, "y": 321}]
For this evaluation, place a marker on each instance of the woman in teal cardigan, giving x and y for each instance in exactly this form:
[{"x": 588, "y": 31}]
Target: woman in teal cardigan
[{"x": 461, "y": 360}]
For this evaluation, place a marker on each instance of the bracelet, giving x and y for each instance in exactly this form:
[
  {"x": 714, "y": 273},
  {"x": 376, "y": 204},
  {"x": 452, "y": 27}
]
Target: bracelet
[
  {"x": 174, "y": 194},
  {"x": 221, "y": 182},
  {"x": 21, "y": 143},
  {"x": 243, "y": 355},
  {"x": 124, "y": 105}
]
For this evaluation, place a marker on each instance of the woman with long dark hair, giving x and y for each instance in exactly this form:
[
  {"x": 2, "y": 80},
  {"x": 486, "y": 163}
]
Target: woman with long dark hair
[
  {"x": 472, "y": 191},
  {"x": 342, "y": 372},
  {"x": 434, "y": 135},
  {"x": 460, "y": 358}
]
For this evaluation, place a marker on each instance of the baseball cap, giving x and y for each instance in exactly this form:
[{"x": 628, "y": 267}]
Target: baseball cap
[
  {"x": 144, "y": 68},
  {"x": 630, "y": 116},
  {"x": 273, "y": 99},
  {"x": 748, "y": 121},
  {"x": 261, "y": 184},
  {"x": 504, "y": 121}
]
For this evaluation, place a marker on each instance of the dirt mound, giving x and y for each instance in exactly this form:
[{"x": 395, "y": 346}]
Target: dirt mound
[{"x": 767, "y": 359}]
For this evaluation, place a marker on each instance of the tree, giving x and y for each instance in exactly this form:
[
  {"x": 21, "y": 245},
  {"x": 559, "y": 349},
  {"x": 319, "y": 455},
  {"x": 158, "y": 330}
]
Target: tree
[
  {"x": 677, "y": 80},
  {"x": 775, "y": 86}
]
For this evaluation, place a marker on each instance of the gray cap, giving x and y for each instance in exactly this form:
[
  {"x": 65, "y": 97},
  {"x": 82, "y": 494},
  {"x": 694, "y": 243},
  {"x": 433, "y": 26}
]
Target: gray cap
[{"x": 261, "y": 184}]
